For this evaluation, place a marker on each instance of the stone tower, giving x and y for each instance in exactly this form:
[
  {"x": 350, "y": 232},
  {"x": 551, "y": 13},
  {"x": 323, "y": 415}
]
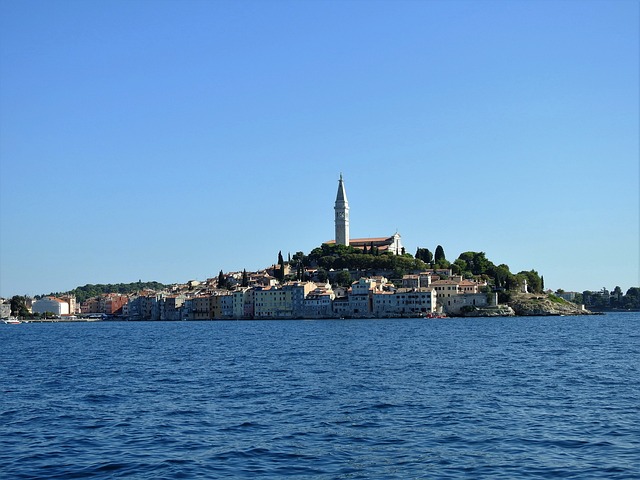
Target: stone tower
[{"x": 342, "y": 215}]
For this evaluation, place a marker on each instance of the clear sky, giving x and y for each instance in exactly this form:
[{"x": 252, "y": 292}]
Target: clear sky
[{"x": 169, "y": 140}]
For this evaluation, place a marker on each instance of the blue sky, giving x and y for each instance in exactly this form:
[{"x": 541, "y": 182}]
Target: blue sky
[{"x": 166, "y": 140}]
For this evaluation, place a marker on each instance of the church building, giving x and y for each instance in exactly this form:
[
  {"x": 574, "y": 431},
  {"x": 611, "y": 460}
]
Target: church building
[{"x": 391, "y": 244}]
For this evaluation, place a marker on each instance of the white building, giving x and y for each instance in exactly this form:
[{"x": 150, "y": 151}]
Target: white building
[
  {"x": 319, "y": 304},
  {"x": 5, "y": 308},
  {"x": 243, "y": 300},
  {"x": 454, "y": 304},
  {"x": 51, "y": 305},
  {"x": 404, "y": 302}
]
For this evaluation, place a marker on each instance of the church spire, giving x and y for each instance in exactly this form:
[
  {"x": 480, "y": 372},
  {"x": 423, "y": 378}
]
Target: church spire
[
  {"x": 342, "y": 215},
  {"x": 342, "y": 194}
]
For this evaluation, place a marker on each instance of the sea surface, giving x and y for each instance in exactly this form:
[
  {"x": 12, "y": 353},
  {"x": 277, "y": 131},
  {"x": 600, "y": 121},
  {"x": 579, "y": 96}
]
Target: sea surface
[{"x": 555, "y": 397}]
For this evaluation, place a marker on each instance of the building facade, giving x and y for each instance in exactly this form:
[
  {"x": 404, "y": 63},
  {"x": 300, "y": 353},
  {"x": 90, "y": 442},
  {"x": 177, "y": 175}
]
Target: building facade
[
  {"x": 404, "y": 302},
  {"x": 51, "y": 305}
]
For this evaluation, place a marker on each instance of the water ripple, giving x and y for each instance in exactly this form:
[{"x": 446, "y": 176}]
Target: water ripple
[{"x": 494, "y": 398}]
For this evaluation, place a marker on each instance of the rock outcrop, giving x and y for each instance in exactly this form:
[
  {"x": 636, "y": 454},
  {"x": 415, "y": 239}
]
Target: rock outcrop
[
  {"x": 542, "y": 305},
  {"x": 489, "y": 311}
]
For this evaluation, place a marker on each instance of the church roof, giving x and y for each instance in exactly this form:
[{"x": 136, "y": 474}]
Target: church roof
[{"x": 369, "y": 240}]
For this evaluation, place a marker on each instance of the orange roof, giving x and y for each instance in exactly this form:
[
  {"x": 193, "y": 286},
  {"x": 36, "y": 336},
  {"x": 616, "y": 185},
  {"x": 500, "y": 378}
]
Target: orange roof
[{"x": 364, "y": 241}]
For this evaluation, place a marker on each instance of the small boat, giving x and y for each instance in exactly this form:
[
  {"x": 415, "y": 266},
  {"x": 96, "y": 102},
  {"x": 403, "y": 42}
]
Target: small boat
[{"x": 12, "y": 321}]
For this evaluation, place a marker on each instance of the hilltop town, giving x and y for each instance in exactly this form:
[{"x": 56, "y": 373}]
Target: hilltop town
[{"x": 342, "y": 278}]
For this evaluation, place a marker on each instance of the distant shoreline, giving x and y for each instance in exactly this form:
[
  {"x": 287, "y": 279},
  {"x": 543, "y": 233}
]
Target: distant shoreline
[{"x": 124, "y": 320}]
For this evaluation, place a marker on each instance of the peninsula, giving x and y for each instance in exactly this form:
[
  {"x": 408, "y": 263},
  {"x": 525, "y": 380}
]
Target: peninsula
[{"x": 342, "y": 278}]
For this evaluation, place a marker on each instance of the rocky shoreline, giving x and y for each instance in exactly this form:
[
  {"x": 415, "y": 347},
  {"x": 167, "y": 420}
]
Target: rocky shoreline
[
  {"x": 529, "y": 305},
  {"x": 545, "y": 305}
]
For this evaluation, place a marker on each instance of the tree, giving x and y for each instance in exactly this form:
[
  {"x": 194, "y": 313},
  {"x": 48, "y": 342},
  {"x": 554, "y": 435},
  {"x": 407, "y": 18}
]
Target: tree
[
  {"x": 19, "y": 306},
  {"x": 632, "y": 299},
  {"x": 322, "y": 275},
  {"x": 502, "y": 276},
  {"x": 245, "y": 278},
  {"x": 299, "y": 271},
  {"x": 616, "y": 296},
  {"x": 279, "y": 271},
  {"x": 222, "y": 280},
  {"x": 424, "y": 254},
  {"x": 439, "y": 255},
  {"x": 343, "y": 278},
  {"x": 534, "y": 282}
]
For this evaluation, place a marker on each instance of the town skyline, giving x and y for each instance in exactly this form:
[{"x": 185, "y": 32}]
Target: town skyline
[{"x": 163, "y": 156}]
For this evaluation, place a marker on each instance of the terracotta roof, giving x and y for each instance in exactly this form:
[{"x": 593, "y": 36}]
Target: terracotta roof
[
  {"x": 369, "y": 240},
  {"x": 364, "y": 241}
]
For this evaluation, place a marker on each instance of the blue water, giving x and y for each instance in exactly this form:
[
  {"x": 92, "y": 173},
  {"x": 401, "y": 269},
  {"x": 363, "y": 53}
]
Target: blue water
[{"x": 456, "y": 398}]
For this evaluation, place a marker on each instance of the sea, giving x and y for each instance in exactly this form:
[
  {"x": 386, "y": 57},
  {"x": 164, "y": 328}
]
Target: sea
[{"x": 524, "y": 397}]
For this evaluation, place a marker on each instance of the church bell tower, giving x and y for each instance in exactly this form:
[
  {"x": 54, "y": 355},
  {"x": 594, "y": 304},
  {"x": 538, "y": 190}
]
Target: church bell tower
[{"x": 342, "y": 215}]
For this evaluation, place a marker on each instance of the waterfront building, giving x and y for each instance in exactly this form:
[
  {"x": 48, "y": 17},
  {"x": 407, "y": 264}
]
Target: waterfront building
[
  {"x": 318, "y": 303},
  {"x": 90, "y": 305},
  {"x": 272, "y": 302},
  {"x": 170, "y": 307},
  {"x": 200, "y": 308},
  {"x": 453, "y": 305},
  {"x": 186, "y": 309},
  {"x": 358, "y": 302},
  {"x": 243, "y": 300},
  {"x": 51, "y": 305},
  {"x": 5, "y": 308},
  {"x": 112, "y": 303},
  {"x": 215, "y": 305},
  {"x": 226, "y": 305},
  {"x": 71, "y": 300},
  {"x": 144, "y": 307},
  {"x": 404, "y": 302},
  {"x": 299, "y": 291},
  {"x": 151, "y": 307}
]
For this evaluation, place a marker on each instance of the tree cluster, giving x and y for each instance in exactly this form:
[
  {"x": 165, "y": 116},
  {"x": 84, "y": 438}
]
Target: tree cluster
[
  {"x": 19, "y": 306},
  {"x": 474, "y": 265},
  {"x": 477, "y": 265},
  {"x": 437, "y": 260},
  {"x": 89, "y": 290},
  {"x": 615, "y": 299},
  {"x": 340, "y": 257}
]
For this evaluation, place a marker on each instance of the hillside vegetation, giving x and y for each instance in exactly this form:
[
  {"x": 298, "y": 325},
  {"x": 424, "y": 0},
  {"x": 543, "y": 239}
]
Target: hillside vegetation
[
  {"x": 89, "y": 290},
  {"x": 471, "y": 265}
]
